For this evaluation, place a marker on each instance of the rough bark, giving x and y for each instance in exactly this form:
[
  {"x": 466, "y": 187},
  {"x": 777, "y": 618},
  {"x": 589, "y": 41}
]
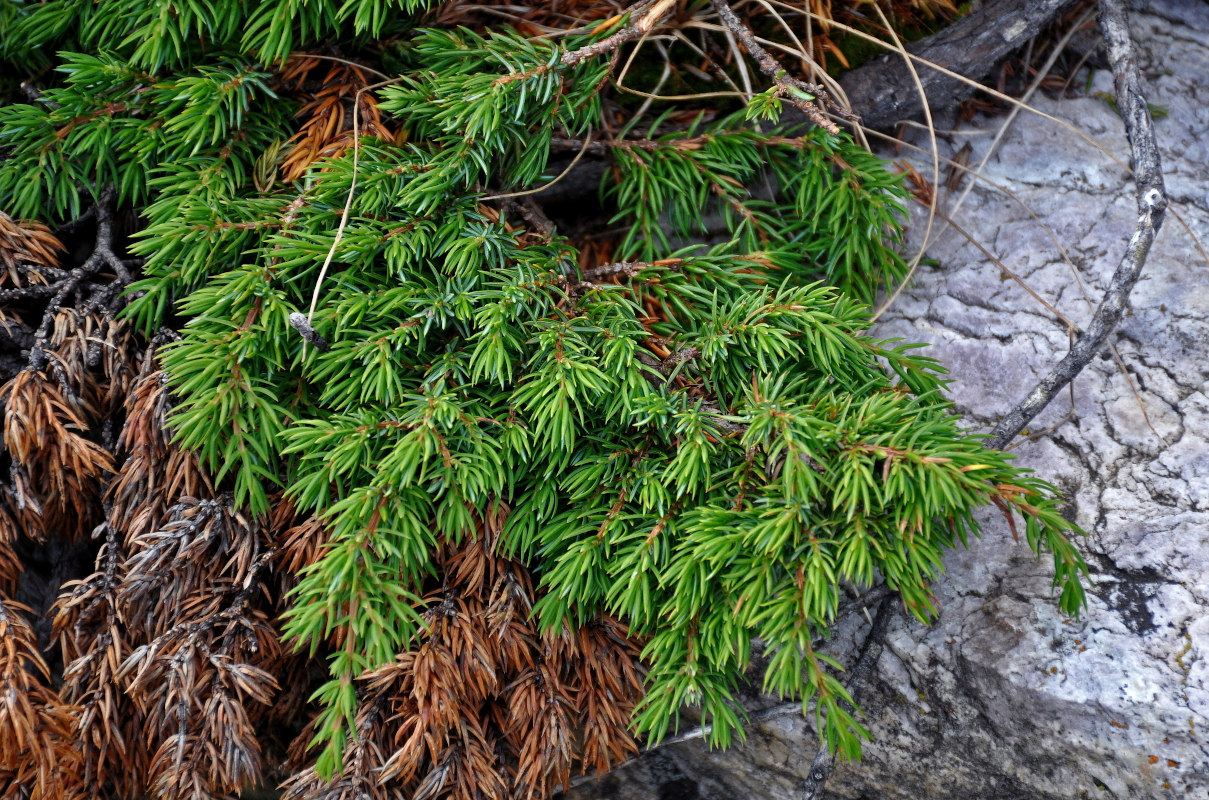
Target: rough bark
[{"x": 883, "y": 92}]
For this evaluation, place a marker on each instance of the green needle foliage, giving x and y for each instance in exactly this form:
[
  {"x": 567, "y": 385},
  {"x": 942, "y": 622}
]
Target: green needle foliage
[{"x": 700, "y": 437}]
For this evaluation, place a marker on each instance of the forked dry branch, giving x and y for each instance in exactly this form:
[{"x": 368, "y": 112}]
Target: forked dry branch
[{"x": 1152, "y": 206}]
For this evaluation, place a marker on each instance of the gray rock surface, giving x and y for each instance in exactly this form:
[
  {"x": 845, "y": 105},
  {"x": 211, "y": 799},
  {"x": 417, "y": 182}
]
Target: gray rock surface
[{"x": 1002, "y": 698}]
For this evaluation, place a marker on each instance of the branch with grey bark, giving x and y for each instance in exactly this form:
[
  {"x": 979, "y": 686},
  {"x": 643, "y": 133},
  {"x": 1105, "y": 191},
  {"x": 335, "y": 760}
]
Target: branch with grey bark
[
  {"x": 880, "y": 598},
  {"x": 647, "y": 14},
  {"x": 89, "y": 283},
  {"x": 795, "y": 91},
  {"x": 883, "y": 93},
  {"x": 824, "y": 760},
  {"x": 1151, "y": 196}
]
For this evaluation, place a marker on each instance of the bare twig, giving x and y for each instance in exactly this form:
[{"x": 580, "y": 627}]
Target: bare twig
[
  {"x": 32, "y": 292},
  {"x": 70, "y": 225},
  {"x": 1152, "y": 205},
  {"x": 978, "y": 176},
  {"x": 644, "y": 25},
  {"x": 791, "y": 88},
  {"x": 30, "y": 92},
  {"x": 299, "y": 322},
  {"x": 102, "y": 255},
  {"x": 531, "y": 212},
  {"x": 628, "y": 269},
  {"x": 879, "y": 596},
  {"x": 820, "y": 767}
]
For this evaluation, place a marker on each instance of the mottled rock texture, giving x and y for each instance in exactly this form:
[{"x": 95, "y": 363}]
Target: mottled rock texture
[{"x": 1002, "y": 698}]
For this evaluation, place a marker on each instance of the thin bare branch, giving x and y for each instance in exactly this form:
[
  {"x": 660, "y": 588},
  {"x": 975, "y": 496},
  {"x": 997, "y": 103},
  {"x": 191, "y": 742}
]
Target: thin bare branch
[
  {"x": 1152, "y": 205},
  {"x": 878, "y": 596},
  {"x": 792, "y": 89},
  {"x": 820, "y": 766},
  {"x": 639, "y": 29}
]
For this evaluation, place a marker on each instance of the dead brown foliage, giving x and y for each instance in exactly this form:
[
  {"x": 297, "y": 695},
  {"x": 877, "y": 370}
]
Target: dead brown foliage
[
  {"x": 38, "y": 760},
  {"x": 327, "y": 129},
  {"x": 175, "y": 684},
  {"x": 487, "y": 705},
  {"x": 26, "y": 245}
]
